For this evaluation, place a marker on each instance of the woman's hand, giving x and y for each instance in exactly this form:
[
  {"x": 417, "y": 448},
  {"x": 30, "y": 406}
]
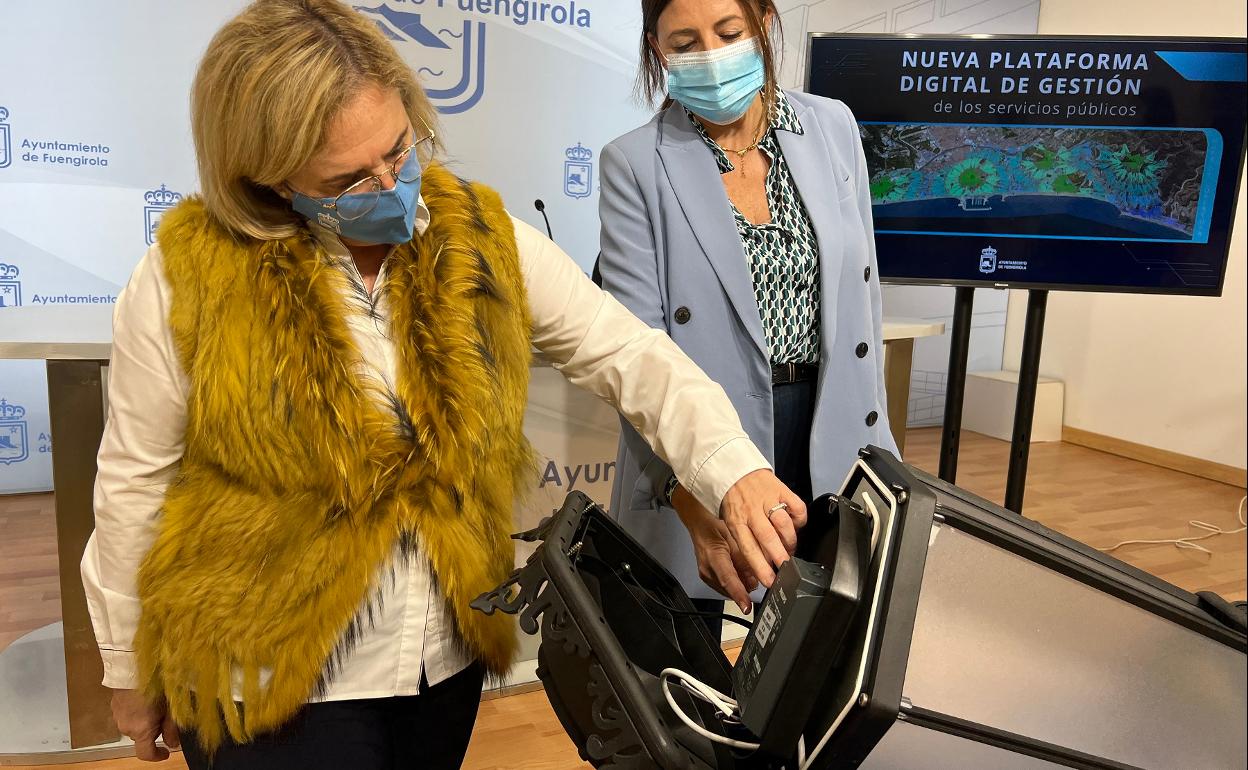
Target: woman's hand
[
  {"x": 143, "y": 722},
  {"x": 720, "y": 563},
  {"x": 763, "y": 517}
]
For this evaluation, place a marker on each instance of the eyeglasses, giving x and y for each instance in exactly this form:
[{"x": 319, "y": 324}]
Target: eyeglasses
[{"x": 360, "y": 198}]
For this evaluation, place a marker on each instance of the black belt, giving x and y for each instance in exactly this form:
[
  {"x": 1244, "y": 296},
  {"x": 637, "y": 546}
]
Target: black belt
[{"x": 784, "y": 374}]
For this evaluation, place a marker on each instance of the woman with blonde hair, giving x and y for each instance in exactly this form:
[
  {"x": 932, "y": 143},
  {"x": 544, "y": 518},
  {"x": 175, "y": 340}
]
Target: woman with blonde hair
[{"x": 314, "y": 439}]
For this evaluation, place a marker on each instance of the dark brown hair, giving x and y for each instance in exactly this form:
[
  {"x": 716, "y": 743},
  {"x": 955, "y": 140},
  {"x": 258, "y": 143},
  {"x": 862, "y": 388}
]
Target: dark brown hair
[{"x": 650, "y": 75}]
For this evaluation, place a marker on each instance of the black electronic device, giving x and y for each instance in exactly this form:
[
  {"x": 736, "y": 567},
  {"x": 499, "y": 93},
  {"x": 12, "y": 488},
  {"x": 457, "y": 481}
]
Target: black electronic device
[
  {"x": 799, "y": 627},
  {"x": 979, "y": 639},
  {"x": 769, "y": 655}
]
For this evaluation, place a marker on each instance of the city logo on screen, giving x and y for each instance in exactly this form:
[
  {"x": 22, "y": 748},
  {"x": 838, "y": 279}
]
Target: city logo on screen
[
  {"x": 13, "y": 445},
  {"x": 988, "y": 260},
  {"x": 157, "y": 202},
  {"x": 449, "y": 60},
  {"x": 578, "y": 172},
  {"x": 10, "y": 286},
  {"x": 6, "y": 138}
]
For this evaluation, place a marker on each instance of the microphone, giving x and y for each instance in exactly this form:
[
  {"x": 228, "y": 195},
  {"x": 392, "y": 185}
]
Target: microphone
[{"x": 541, "y": 208}]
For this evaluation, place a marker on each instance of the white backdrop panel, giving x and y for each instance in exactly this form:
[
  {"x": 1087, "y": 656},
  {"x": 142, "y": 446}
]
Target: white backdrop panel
[{"x": 95, "y": 142}]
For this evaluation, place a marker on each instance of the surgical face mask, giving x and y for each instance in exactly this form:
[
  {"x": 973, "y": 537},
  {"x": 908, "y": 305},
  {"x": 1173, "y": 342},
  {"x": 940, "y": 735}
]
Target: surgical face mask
[
  {"x": 371, "y": 215},
  {"x": 719, "y": 85}
]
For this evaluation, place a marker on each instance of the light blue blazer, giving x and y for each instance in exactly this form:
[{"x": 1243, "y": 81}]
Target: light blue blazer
[{"x": 669, "y": 244}]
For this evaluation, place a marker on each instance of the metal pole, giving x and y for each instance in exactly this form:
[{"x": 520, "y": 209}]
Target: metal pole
[
  {"x": 1025, "y": 406},
  {"x": 959, "y": 350}
]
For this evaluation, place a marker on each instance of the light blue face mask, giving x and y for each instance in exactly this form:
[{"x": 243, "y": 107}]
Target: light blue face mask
[
  {"x": 719, "y": 85},
  {"x": 392, "y": 218}
]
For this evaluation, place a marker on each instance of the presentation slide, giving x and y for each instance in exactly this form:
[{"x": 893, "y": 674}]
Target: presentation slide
[{"x": 1071, "y": 163}]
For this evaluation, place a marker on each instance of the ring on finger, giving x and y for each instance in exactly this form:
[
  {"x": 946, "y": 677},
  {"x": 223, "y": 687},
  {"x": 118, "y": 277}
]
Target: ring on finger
[{"x": 779, "y": 507}]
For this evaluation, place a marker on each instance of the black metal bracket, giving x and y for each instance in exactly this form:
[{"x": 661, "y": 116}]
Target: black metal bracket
[{"x": 629, "y": 733}]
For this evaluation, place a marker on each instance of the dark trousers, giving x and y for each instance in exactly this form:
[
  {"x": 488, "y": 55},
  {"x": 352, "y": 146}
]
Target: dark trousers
[
  {"x": 793, "y": 410},
  {"x": 428, "y": 731},
  {"x": 714, "y": 623}
]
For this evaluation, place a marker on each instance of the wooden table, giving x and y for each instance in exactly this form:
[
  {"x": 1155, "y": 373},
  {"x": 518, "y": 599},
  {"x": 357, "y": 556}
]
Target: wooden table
[
  {"x": 899, "y": 337},
  {"x": 76, "y": 404}
]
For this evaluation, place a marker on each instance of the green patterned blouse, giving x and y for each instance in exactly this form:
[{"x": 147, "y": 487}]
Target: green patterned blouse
[{"x": 783, "y": 255}]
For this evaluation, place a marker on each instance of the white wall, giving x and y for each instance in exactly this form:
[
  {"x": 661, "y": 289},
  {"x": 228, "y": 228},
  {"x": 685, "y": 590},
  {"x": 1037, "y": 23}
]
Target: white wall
[{"x": 1166, "y": 372}]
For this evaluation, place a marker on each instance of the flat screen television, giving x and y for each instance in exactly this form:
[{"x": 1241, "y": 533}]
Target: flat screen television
[{"x": 1099, "y": 164}]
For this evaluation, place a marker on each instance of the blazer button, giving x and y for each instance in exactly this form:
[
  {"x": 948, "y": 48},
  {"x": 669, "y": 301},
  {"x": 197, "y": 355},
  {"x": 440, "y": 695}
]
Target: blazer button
[
  {"x": 871, "y": 418},
  {"x": 861, "y": 350},
  {"x": 866, "y": 273},
  {"x": 683, "y": 315}
]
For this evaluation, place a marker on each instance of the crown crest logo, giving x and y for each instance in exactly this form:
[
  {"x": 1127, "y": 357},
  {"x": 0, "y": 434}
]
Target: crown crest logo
[
  {"x": 988, "y": 252},
  {"x": 578, "y": 152},
  {"x": 11, "y": 411},
  {"x": 8, "y": 272},
  {"x": 163, "y": 197}
]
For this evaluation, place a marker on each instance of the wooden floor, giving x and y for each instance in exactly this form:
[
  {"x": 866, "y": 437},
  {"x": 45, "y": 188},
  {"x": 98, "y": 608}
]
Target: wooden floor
[
  {"x": 1090, "y": 496},
  {"x": 30, "y": 590},
  {"x": 1101, "y": 500}
]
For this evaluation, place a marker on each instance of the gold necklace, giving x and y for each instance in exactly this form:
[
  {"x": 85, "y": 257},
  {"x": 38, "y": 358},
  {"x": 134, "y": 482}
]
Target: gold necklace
[{"x": 758, "y": 138}]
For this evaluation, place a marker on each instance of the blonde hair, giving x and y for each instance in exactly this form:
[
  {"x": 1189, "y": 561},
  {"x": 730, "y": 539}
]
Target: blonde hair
[{"x": 272, "y": 80}]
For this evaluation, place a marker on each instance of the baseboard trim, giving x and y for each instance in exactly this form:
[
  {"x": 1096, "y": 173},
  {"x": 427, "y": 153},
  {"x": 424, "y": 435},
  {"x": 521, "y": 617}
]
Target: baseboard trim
[
  {"x": 511, "y": 689},
  {"x": 1205, "y": 469}
]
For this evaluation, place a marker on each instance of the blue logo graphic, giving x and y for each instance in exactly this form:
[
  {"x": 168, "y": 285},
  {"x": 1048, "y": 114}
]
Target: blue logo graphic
[
  {"x": 451, "y": 61},
  {"x": 10, "y": 287},
  {"x": 578, "y": 172},
  {"x": 1208, "y": 66},
  {"x": 6, "y": 140},
  {"x": 988, "y": 260},
  {"x": 158, "y": 202},
  {"x": 13, "y": 446}
]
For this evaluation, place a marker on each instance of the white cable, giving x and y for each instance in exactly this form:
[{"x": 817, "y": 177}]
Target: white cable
[
  {"x": 709, "y": 694},
  {"x": 803, "y": 763},
  {"x": 1190, "y": 542},
  {"x": 724, "y": 703},
  {"x": 871, "y": 618},
  {"x": 875, "y": 521},
  {"x": 728, "y": 705},
  {"x": 827, "y": 736}
]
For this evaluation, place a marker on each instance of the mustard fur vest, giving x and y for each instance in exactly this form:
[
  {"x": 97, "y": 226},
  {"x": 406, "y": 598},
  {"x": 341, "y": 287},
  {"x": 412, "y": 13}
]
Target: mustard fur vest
[{"x": 297, "y": 483}]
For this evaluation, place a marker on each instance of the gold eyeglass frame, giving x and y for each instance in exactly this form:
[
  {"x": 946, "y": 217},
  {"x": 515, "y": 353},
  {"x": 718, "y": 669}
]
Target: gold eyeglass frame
[{"x": 375, "y": 179}]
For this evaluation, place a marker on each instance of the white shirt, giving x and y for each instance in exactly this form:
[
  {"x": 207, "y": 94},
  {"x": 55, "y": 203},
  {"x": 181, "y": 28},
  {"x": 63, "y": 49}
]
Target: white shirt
[{"x": 589, "y": 337}]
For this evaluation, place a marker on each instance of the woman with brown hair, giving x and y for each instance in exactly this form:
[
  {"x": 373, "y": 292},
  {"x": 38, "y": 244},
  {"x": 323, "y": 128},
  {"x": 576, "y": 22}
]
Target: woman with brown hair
[
  {"x": 738, "y": 221},
  {"x": 314, "y": 440}
]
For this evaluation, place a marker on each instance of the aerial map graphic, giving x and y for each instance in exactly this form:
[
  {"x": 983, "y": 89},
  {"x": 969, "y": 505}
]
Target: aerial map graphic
[{"x": 1033, "y": 180}]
